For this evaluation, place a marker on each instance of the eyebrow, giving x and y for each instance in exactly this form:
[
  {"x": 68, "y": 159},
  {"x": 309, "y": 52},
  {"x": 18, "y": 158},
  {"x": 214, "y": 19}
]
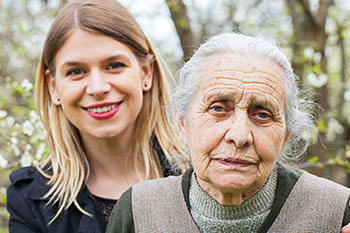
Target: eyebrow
[
  {"x": 116, "y": 57},
  {"x": 108, "y": 59},
  {"x": 226, "y": 96},
  {"x": 270, "y": 105}
]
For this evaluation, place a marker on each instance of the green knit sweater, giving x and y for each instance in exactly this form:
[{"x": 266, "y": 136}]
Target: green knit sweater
[{"x": 211, "y": 216}]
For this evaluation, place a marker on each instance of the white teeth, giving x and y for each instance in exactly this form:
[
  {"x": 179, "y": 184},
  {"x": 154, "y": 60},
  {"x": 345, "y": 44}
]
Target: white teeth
[{"x": 102, "y": 110}]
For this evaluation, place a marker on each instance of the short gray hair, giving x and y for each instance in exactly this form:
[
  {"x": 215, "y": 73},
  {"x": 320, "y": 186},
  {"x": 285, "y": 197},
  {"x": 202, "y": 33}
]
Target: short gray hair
[{"x": 300, "y": 121}]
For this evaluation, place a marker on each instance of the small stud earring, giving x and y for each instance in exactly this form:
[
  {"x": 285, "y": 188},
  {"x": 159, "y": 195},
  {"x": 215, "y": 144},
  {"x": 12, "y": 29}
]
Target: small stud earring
[
  {"x": 145, "y": 84},
  {"x": 58, "y": 99}
]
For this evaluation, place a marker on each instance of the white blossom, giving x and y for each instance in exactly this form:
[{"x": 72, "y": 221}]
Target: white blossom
[
  {"x": 317, "y": 81},
  {"x": 309, "y": 52},
  {"x": 28, "y": 147},
  {"x": 40, "y": 151},
  {"x": 3, "y": 113},
  {"x": 347, "y": 95},
  {"x": 10, "y": 121},
  {"x": 27, "y": 85},
  {"x": 3, "y": 161},
  {"x": 33, "y": 116},
  {"x": 26, "y": 160},
  {"x": 335, "y": 126},
  {"x": 14, "y": 140},
  {"x": 15, "y": 149},
  {"x": 317, "y": 57},
  {"x": 28, "y": 128}
]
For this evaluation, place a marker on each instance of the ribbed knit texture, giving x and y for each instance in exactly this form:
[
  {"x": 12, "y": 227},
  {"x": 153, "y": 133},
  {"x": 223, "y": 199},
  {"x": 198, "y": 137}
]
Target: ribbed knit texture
[{"x": 210, "y": 216}]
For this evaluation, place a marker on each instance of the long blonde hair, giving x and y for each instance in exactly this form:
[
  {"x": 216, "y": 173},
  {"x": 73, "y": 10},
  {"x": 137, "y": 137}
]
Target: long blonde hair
[{"x": 67, "y": 167}]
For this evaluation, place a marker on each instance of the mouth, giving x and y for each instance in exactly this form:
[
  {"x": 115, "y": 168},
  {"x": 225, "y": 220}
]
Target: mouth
[
  {"x": 103, "y": 111},
  {"x": 233, "y": 162}
]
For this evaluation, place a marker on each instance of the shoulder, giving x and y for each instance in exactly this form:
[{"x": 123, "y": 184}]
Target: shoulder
[
  {"x": 26, "y": 188},
  {"x": 23, "y": 175},
  {"x": 150, "y": 189},
  {"x": 287, "y": 172},
  {"x": 29, "y": 182},
  {"x": 121, "y": 219}
]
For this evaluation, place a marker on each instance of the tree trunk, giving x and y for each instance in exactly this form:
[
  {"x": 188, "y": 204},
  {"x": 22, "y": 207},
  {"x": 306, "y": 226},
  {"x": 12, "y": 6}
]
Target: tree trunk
[
  {"x": 180, "y": 18},
  {"x": 309, "y": 31}
]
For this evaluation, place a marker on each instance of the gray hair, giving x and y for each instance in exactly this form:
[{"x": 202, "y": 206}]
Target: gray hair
[{"x": 300, "y": 121}]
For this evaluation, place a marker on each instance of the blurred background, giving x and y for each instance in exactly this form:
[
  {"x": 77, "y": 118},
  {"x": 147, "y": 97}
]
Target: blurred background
[{"x": 313, "y": 33}]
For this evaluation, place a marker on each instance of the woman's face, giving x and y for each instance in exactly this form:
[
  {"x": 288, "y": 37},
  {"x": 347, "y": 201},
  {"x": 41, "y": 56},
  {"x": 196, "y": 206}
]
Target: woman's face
[
  {"x": 236, "y": 125},
  {"x": 99, "y": 83}
]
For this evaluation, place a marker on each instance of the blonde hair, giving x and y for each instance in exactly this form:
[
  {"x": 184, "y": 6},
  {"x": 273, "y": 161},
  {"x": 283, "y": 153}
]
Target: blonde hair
[{"x": 67, "y": 167}]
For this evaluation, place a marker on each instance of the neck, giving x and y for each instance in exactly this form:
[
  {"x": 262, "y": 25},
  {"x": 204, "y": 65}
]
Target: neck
[
  {"x": 112, "y": 169},
  {"x": 231, "y": 197}
]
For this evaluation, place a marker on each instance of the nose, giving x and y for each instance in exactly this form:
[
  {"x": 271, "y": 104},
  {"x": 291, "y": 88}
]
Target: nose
[
  {"x": 98, "y": 86},
  {"x": 239, "y": 130}
]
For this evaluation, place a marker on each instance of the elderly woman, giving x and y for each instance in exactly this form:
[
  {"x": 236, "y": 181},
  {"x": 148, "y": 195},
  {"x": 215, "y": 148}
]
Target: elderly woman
[{"x": 240, "y": 116}]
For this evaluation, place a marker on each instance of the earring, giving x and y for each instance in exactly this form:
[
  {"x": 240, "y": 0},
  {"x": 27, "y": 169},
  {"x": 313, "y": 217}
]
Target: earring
[
  {"x": 145, "y": 84},
  {"x": 58, "y": 99}
]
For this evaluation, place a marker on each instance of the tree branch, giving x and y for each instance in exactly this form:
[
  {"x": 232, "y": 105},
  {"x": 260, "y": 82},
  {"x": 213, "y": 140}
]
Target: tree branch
[{"x": 180, "y": 18}]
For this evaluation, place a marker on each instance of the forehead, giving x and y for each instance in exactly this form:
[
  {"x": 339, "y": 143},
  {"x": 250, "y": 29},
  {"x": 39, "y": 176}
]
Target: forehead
[
  {"x": 86, "y": 46},
  {"x": 241, "y": 75}
]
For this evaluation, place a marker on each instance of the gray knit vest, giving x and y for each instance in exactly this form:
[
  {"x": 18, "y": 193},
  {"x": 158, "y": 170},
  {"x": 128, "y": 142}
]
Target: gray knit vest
[{"x": 314, "y": 205}]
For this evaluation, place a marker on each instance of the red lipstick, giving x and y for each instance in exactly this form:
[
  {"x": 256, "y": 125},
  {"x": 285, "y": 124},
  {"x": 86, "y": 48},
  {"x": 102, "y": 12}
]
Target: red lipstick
[{"x": 95, "y": 110}]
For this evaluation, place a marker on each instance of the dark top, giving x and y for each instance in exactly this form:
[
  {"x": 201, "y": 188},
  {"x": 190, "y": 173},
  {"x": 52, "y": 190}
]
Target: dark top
[
  {"x": 286, "y": 180},
  {"x": 30, "y": 212},
  {"x": 106, "y": 206}
]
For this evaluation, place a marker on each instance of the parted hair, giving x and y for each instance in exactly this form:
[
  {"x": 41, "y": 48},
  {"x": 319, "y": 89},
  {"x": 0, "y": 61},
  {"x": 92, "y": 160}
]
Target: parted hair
[
  {"x": 67, "y": 167},
  {"x": 299, "y": 107}
]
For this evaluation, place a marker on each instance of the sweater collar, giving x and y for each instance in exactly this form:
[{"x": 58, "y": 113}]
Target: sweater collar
[{"x": 257, "y": 204}]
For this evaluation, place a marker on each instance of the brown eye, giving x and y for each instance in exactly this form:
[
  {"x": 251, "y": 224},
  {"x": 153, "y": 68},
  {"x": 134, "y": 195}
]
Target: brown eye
[
  {"x": 115, "y": 65},
  {"x": 75, "y": 72}
]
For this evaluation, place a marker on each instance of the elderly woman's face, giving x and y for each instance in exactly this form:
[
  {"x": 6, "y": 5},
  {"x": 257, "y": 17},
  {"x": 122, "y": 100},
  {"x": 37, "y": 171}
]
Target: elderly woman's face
[{"x": 236, "y": 126}]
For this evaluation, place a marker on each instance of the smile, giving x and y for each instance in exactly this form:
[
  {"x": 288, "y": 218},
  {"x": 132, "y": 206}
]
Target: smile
[{"x": 103, "y": 111}]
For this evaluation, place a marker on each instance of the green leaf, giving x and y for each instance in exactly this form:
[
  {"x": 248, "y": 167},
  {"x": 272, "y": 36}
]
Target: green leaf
[
  {"x": 4, "y": 199},
  {"x": 183, "y": 23},
  {"x": 314, "y": 159}
]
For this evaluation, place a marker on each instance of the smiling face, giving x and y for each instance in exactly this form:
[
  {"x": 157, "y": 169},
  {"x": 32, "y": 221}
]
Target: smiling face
[
  {"x": 99, "y": 84},
  {"x": 236, "y": 128}
]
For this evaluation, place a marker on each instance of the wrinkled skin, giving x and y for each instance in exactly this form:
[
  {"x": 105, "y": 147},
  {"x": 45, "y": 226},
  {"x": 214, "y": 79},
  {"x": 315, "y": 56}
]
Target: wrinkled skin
[{"x": 236, "y": 126}]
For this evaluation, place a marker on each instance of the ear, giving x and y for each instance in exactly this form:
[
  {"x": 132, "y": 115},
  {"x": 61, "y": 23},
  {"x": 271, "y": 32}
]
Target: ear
[
  {"x": 147, "y": 75},
  {"x": 180, "y": 123},
  {"x": 51, "y": 83}
]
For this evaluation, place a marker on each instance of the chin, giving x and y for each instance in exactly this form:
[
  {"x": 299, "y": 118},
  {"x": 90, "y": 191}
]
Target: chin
[
  {"x": 105, "y": 135},
  {"x": 233, "y": 184}
]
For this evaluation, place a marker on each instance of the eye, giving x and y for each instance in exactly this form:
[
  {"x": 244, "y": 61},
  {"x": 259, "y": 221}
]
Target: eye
[
  {"x": 115, "y": 65},
  {"x": 262, "y": 115},
  {"x": 75, "y": 72},
  {"x": 217, "y": 109}
]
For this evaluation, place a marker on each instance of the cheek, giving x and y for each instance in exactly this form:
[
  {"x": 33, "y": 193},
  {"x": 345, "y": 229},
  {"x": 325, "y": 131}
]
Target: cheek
[
  {"x": 269, "y": 143},
  {"x": 203, "y": 137}
]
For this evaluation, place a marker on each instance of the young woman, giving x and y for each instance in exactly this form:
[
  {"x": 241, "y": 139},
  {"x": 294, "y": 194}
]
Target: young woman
[{"x": 102, "y": 96}]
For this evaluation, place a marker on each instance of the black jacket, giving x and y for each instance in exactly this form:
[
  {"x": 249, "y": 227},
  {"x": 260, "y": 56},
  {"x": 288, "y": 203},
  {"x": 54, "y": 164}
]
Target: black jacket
[{"x": 30, "y": 212}]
